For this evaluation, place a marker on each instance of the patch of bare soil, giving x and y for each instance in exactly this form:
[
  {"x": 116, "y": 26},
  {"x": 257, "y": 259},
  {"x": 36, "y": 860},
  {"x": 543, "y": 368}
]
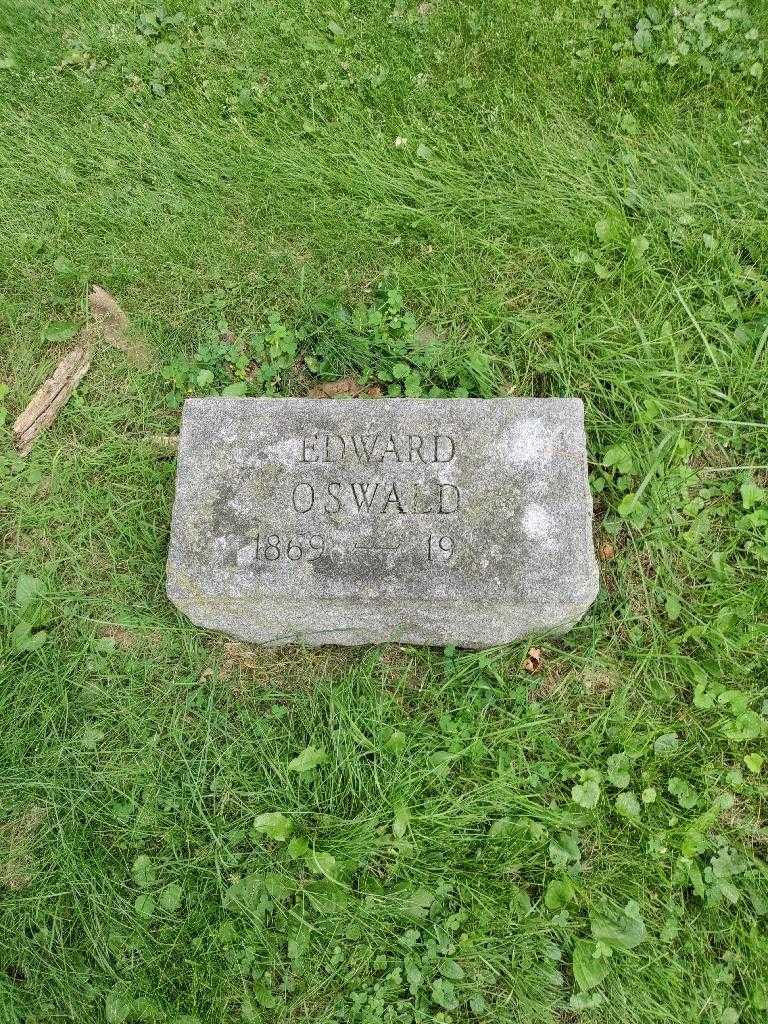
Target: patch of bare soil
[
  {"x": 402, "y": 666},
  {"x": 111, "y": 323},
  {"x": 599, "y": 681},
  {"x": 16, "y": 838},
  {"x": 122, "y": 636},
  {"x": 281, "y": 668},
  {"x": 347, "y": 387}
]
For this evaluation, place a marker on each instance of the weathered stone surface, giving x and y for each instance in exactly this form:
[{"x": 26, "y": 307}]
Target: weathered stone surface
[{"x": 430, "y": 521}]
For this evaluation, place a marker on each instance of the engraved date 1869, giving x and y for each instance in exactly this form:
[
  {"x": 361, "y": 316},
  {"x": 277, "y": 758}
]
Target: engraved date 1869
[{"x": 273, "y": 546}]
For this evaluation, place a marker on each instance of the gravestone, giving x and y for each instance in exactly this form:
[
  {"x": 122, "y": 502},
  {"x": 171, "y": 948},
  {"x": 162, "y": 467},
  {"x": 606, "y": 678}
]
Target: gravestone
[{"x": 427, "y": 521}]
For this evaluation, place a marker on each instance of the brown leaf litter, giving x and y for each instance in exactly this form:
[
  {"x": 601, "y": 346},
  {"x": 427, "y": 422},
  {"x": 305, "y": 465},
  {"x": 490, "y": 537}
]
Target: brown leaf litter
[
  {"x": 280, "y": 668},
  {"x": 532, "y": 663},
  {"x": 347, "y": 387}
]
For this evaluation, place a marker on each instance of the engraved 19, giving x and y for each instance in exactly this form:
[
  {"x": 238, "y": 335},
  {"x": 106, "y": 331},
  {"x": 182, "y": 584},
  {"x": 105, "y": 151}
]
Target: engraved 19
[{"x": 439, "y": 549}]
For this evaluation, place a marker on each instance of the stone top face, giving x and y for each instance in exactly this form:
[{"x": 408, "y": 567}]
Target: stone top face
[{"x": 463, "y": 521}]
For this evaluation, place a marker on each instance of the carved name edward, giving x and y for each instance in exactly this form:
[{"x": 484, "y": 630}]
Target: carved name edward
[{"x": 378, "y": 448}]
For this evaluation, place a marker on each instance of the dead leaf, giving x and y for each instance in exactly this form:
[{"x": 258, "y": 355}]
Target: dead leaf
[
  {"x": 425, "y": 9},
  {"x": 50, "y": 398},
  {"x": 533, "y": 662},
  {"x": 347, "y": 387},
  {"x": 606, "y": 551},
  {"x": 112, "y": 323}
]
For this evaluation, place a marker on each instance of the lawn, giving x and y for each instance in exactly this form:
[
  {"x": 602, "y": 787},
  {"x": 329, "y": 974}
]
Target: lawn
[{"x": 449, "y": 198}]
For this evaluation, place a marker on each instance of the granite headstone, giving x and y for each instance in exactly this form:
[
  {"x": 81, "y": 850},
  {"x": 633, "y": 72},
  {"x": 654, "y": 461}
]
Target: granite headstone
[{"x": 426, "y": 521}]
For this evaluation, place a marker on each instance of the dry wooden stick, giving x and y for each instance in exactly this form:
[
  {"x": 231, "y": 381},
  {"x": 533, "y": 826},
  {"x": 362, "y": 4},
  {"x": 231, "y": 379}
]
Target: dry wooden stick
[{"x": 50, "y": 398}]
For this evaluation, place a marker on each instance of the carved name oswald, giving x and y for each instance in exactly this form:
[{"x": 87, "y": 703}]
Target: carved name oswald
[{"x": 377, "y": 496}]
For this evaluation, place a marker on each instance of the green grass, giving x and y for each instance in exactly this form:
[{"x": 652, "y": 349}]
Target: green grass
[{"x": 578, "y": 208}]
